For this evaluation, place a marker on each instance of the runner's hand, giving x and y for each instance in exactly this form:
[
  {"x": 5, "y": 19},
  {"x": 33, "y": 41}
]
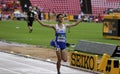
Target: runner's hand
[{"x": 36, "y": 17}]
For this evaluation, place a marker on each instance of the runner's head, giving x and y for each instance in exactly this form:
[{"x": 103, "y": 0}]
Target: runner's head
[
  {"x": 30, "y": 8},
  {"x": 59, "y": 18}
]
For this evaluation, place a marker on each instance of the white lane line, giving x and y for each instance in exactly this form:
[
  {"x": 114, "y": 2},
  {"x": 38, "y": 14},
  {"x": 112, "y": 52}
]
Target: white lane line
[
  {"x": 32, "y": 62},
  {"x": 36, "y": 68},
  {"x": 10, "y": 71}
]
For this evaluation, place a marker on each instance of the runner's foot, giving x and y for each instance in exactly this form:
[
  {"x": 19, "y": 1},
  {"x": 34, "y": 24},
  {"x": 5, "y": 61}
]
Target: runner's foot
[
  {"x": 30, "y": 31},
  {"x": 59, "y": 73}
]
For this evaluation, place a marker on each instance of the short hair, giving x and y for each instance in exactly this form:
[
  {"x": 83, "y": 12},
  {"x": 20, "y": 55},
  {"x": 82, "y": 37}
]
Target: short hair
[
  {"x": 58, "y": 16},
  {"x": 30, "y": 7}
]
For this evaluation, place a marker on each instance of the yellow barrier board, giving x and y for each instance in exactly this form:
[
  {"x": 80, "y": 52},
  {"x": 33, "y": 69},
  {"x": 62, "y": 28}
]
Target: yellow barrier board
[
  {"x": 111, "y": 26},
  {"x": 103, "y": 62},
  {"x": 83, "y": 60},
  {"x": 112, "y": 16},
  {"x": 112, "y": 67},
  {"x": 70, "y": 17},
  {"x": 46, "y": 16}
]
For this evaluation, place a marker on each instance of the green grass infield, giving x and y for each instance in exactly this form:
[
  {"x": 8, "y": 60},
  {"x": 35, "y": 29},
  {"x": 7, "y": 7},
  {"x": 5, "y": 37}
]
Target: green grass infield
[{"x": 17, "y": 31}]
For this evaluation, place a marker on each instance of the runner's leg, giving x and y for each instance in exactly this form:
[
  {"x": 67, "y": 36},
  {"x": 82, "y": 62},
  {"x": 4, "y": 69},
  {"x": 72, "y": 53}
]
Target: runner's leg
[
  {"x": 64, "y": 55},
  {"x": 58, "y": 53}
]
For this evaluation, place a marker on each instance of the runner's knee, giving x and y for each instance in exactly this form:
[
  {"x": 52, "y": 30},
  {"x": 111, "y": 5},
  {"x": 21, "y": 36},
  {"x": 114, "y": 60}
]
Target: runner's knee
[{"x": 65, "y": 60}]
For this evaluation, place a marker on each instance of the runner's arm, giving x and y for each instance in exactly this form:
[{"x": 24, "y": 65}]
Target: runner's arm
[
  {"x": 76, "y": 23},
  {"x": 45, "y": 25}
]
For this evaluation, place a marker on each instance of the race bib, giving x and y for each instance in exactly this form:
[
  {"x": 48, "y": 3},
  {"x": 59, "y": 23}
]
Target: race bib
[{"x": 61, "y": 38}]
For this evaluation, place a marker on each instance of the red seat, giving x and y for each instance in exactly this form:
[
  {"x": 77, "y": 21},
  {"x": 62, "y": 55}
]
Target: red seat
[{"x": 59, "y": 5}]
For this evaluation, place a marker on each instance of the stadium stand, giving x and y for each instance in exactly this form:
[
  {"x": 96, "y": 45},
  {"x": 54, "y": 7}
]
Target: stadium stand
[
  {"x": 70, "y": 7},
  {"x": 99, "y": 6},
  {"x": 73, "y": 6},
  {"x": 9, "y": 6},
  {"x": 59, "y": 6}
]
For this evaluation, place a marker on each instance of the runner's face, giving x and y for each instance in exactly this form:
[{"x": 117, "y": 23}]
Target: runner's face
[
  {"x": 30, "y": 9},
  {"x": 60, "y": 18}
]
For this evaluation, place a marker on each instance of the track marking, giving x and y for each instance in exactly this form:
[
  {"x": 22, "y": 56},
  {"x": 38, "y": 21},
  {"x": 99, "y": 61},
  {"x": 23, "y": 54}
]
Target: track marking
[
  {"x": 9, "y": 70},
  {"x": 36, "y": 68}
]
